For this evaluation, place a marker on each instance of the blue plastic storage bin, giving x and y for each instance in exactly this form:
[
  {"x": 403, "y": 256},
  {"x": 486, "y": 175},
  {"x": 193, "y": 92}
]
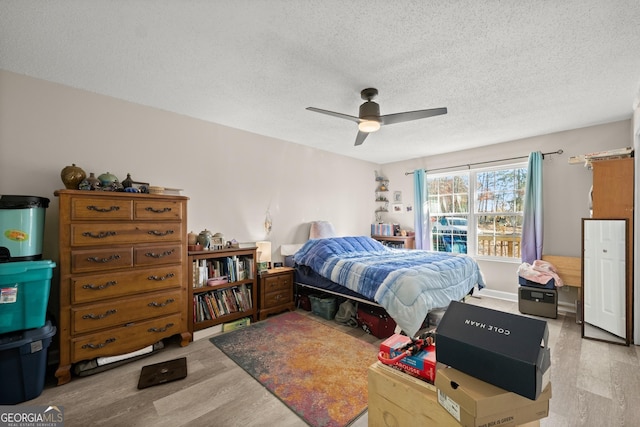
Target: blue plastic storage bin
[
  {"x": 24, "y": 294},
  {"x": 23, "y": 363}
]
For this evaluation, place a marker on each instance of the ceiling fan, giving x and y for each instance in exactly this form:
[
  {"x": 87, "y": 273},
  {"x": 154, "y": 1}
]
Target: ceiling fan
[{"x": 369, "y": 120}]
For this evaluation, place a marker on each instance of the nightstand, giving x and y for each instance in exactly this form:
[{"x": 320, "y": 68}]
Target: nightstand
[{"x": 276, "y": 291}]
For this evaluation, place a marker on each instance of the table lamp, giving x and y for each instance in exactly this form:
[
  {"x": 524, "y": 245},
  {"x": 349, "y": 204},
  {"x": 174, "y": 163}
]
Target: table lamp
[{"x": 264, "y": 255}]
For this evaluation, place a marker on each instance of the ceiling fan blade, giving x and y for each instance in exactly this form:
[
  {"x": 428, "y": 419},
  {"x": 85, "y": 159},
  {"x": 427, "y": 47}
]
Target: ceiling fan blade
[
  {"x": 334, "y": 114},
  {"x": 390, "y": 119},
  {"x": 361, "y": 137}
]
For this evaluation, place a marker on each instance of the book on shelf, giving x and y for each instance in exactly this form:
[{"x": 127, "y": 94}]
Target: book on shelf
[
  {"x": 225, "y": 270},
  {"x": 229, "y": 300},
  {"x": 246, "y": 290},
  {"x": 212, "y": 313},
  {"x": 205, "y": 310},
  {"x": 214, "y": 304},
  {"x": 221, "y": 306},
  {"x": 237, "y": 295}
]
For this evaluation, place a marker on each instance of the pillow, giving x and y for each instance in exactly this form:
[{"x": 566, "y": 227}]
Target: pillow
[{"x": 321, "y": 230}]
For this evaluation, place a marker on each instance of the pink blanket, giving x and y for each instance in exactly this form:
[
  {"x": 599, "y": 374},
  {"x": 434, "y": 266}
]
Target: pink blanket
[{"x": 539, "y": 272}]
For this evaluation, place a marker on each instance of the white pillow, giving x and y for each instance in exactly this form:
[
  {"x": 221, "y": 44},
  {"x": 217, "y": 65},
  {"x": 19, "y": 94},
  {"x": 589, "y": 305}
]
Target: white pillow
[{"x": 321, "y": 230}]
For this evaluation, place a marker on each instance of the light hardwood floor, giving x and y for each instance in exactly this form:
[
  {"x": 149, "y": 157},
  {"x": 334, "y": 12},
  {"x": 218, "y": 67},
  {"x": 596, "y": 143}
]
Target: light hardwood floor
[{"x": 594, "y": 384}]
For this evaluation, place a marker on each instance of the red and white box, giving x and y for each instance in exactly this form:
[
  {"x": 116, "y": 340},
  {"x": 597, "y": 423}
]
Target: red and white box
[{"x": 421, "y": 365}]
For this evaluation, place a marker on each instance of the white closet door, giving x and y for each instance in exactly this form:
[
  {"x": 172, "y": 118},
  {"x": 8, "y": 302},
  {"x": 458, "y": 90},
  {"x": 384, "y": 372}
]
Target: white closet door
[{"x": 604, "y": 275}]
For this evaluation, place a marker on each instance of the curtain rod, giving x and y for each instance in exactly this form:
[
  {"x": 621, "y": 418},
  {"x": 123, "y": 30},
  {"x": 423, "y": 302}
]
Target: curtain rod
[{"x": 468, "y": 165}]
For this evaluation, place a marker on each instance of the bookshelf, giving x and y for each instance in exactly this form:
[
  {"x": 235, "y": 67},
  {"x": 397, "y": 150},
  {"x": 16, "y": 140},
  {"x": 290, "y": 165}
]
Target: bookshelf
[{"x": 231, "y": 293}]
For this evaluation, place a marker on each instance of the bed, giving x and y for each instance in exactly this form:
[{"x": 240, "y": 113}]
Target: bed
[{"x": 408, "y": 284}]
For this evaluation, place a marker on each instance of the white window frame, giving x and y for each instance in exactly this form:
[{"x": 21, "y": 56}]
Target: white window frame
[{"x": 472, "y": 219}]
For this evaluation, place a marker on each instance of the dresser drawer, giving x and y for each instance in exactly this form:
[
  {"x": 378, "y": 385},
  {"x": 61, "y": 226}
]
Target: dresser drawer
[
  {"x": 125, "y": 339},
  {"x": 115, "y": 233},
  {"x": 123, "y": 311},
  {"x": 101, "y": 209},
  {"x": 158, "y": 210},
  {"x": 275, "y": 299},
  {"x": 117, "y": 284},
  {"x": 278, "y": 283},
  {"x": 157, "y": 255},
  {"x": 86, "y": 260}
]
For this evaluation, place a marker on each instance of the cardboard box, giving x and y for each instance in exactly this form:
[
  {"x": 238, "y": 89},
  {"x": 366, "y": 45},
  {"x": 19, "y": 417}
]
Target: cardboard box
[
  {"x": 475, "y": 403},
  {"x": 507, "y": 350},
  {"x": 398, "y": 399},
  {"x": 421, "y": 365}
]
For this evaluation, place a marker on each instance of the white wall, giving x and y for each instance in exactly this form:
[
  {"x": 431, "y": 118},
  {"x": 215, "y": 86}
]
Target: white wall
[
  {"x": 232, "y": 177},
  {"x": 566, "y": 190}
]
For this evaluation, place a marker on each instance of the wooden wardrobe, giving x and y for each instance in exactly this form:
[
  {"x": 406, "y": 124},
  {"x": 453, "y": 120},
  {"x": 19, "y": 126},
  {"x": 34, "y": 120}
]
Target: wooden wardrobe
[{"x": 612, "y": 198}]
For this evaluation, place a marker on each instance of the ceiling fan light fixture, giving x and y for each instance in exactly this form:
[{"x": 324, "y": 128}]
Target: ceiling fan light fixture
[{"x": 368, "y": 126}]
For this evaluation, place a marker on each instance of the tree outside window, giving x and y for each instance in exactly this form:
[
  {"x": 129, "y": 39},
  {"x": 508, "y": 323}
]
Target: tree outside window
[{"x": 488, "y": 224}]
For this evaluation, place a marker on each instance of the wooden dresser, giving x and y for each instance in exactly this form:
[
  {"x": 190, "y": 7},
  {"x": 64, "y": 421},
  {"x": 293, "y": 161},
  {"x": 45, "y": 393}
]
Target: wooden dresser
[
  {"x": 123, "y": 274},
  {"x": 276, "y": 291},
  {"x": 613, "y": 189}
]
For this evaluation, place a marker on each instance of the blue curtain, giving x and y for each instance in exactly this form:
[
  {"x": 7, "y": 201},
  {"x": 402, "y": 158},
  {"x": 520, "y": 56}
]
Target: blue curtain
[
  {"x": 421, "y": 215},
  {"x": 532, "y": 221}
]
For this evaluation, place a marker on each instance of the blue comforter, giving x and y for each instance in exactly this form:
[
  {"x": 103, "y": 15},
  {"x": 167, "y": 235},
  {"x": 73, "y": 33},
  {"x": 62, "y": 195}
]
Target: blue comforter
[{"x": 407, "y": 283}]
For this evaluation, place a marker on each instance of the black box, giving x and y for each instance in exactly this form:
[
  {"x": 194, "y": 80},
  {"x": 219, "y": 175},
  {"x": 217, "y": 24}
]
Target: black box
[
  {"x": 538, "y": 301},
  {"x": 507, "y": 350}
]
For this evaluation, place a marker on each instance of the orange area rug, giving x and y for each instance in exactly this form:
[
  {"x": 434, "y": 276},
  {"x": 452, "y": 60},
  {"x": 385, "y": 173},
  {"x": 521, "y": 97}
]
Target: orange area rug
[{"x": 317, "y": 371}]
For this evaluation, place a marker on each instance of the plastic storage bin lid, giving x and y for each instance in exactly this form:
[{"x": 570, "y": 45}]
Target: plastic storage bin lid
[
  {"x": 23, "y": 202},
  {"x": 18, "y": 339}
]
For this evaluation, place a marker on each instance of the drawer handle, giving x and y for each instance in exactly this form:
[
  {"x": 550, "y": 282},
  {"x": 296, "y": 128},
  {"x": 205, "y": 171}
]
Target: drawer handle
[
  {"x": 96, "y": 346},
  {"x": 160, "y": 233},
  {"x": 159, "y": 279},
  {"x": 166, "y": 328},
  {"x": 100, "y": 316},
  {"x": 99, "y": 287},
  {"x": 100, "y": 235},
  {"x": 109, "y": 209},
  {"x": 163, "y": 210},
  {"x": 161, "y": 304},
  {"x": 103, "y": 260},
  {"x": 162, "y": 255}
]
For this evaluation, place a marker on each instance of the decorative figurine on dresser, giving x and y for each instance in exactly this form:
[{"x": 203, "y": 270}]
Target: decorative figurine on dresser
[{"x": 123, "y": 274}]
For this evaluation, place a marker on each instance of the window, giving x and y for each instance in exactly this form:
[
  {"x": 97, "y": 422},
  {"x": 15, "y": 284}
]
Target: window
[
  {"x": 449, "y": 211},
  {"x": 478, "y": 212}
]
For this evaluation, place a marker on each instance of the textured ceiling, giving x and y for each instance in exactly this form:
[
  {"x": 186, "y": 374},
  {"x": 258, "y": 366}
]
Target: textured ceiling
[{"x": 505, "y": 70}]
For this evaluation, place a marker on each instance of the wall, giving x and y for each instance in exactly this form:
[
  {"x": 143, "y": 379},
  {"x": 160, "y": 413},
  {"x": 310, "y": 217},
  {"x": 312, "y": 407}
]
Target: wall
[
  {"x": 232, "y": 177},
  {"x": 566, "y": 188}
]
